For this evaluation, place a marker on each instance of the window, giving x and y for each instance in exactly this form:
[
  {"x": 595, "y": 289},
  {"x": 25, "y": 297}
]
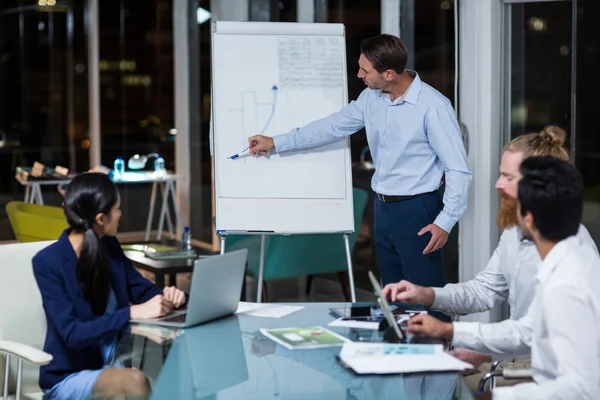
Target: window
[
  {"x": 43, "y": 94},
  {"x": 136, "y": 92}
]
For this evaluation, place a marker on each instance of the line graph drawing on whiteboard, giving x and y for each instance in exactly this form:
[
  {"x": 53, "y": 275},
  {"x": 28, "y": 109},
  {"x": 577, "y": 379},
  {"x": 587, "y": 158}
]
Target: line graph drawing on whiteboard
[
  {"x": 296, "y": 174},
  {"x": 252, "y": 112},
  {"x": 274, "y": 88}
]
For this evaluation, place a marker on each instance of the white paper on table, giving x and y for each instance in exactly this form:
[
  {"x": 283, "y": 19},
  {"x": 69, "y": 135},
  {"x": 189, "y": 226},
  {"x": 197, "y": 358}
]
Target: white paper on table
[
  {"x": 266, "y": 310},
  {"x": 365, "y": 323},
  {"x": 381, "y": 358},
  {"x": 353, "y": 323}
]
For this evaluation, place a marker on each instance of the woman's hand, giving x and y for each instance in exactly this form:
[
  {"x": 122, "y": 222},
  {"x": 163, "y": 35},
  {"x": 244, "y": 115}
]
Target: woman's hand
[
  {"x": 156, "y": 307},
  {"x": 174, "y": 295}
]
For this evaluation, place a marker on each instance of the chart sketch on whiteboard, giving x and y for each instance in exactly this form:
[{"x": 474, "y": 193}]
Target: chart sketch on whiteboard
[{"x": 256, "y": 121}]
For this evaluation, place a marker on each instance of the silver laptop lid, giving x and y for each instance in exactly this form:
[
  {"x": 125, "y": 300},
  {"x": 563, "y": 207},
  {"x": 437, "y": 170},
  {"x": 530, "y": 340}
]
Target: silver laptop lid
[{"x": 216, "y": 286}]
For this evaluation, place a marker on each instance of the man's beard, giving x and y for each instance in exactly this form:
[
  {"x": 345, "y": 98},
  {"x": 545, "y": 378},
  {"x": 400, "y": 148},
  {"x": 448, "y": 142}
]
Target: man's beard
[{"x": 507, "y": 212}]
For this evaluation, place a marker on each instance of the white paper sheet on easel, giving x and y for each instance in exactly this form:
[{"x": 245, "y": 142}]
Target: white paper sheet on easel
[
  {"x": 266, "y": 310},
  {"x": 381, "y": 358}
]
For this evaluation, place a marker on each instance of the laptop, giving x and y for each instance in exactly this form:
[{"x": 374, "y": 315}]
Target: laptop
[
  {"x": 398, "y": 335},
  {"x": 385, "y": 308},
  {"x": 214, "y": 292}
]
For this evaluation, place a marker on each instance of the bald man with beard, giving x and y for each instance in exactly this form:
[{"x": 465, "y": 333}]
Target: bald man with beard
[{"x": 511, "y": 271}]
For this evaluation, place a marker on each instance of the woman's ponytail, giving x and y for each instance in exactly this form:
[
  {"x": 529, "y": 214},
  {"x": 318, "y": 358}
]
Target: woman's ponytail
[
  {"x": 87, "y": 196},
  {"x": 92, "y": 271}
]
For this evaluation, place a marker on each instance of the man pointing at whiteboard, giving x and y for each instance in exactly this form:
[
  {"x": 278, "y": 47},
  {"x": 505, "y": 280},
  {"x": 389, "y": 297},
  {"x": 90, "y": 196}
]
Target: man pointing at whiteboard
[{"x": 415, "y": 140}]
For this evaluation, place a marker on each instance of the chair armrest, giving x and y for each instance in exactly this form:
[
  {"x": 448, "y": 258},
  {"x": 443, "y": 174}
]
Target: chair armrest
[
  {"x": 487, "y": 377},
  {"x": 27, "y": 353},
  {"x": 517, "y": 373},
  {"x": 497, "y": 363}
]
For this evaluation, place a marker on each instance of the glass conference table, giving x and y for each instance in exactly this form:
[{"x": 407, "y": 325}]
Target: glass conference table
[{"x": 230, "y": 359}]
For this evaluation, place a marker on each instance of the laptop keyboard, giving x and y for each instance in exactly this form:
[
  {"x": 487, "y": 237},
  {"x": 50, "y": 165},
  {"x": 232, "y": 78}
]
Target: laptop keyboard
[{"x": 175, "y": 318}]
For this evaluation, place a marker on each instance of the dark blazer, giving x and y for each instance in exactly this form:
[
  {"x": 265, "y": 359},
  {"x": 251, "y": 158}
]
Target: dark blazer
[{"x": 74, "y": 333}]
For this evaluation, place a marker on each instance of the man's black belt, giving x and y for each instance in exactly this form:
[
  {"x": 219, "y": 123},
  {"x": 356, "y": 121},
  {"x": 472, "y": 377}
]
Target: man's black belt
[{"x": 392, "y": 199}]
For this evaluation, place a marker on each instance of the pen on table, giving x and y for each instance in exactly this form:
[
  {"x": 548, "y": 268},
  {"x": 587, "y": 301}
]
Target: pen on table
[{"x": 233, "y": 157}]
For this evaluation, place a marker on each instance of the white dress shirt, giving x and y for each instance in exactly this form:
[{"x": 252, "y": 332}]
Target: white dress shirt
[
  {"x": 510, "y": 273},
  {"x": 562, "y": 329}
]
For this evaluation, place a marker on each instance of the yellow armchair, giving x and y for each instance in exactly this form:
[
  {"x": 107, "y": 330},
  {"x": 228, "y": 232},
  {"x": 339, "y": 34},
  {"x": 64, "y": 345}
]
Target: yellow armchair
[{"x": 34, "y": 222}]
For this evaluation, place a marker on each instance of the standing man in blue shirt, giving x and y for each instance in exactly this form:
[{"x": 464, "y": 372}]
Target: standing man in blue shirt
[{"x": 415, "y": 142}]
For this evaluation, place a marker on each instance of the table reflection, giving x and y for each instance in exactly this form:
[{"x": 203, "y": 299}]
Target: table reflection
[{"x": 230, "y": 359}]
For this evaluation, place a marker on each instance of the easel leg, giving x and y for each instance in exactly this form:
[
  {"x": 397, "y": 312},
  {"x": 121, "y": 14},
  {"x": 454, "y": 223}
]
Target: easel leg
[
  {"x": 151, "y": 211},
  {"x": 27, "y": 191},
  {"x": 349, "y": 261},
  {"x": 222, "y": 237},
  {"x": 261, "y": 267},
  {"x": 6, "y": 375}
]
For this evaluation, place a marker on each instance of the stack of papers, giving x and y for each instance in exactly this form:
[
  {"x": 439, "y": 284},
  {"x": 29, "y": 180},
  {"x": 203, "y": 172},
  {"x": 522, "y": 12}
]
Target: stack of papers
[
  {"x": 266, "y": 310},
  {"x": 314, "y": 337},
  {"x": 161, "y": 252},
  {"x": 383, "y": 358}
]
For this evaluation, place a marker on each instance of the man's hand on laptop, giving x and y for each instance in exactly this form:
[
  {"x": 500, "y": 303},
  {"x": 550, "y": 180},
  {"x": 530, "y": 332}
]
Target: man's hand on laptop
[
  {"x": 174, "y": 295},
  {"x": 409, "y": 293},
  {"x": 156, "y": 307},
  {"x": 427, "y": 325}
]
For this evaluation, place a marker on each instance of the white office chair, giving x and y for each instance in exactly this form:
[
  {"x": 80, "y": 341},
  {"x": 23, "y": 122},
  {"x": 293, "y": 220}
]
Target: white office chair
[{"x": 22, "y": 323}]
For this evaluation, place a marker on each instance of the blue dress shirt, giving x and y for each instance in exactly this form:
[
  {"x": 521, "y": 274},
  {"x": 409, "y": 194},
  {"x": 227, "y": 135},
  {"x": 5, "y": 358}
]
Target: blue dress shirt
[{"x": 414, "y": 140}]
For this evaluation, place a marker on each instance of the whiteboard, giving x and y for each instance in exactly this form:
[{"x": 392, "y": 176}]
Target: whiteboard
[{"x": 270, "y": 78}]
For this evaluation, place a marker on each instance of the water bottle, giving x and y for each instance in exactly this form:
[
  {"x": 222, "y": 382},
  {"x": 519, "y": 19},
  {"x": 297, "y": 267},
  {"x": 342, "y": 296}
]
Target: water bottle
[
  {"x": 159, "y": 166},
  {"x": 119, "y": 168},
  {"x": 186, "y": 239}
]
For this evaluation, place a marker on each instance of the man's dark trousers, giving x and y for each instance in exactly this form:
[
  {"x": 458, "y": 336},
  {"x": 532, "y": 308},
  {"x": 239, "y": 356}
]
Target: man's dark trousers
[{"x": 399, "y": 248}]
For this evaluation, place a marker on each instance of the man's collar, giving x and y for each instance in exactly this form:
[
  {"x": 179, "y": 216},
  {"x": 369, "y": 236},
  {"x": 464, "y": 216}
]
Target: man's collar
[
  {"x": 555, "y": 255},
  {"x": 411, "y": 95}
]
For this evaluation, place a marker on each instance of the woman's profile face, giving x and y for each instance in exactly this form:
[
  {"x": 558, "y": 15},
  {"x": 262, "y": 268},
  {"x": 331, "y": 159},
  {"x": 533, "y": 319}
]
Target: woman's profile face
[{"x": 111, "y": 221}]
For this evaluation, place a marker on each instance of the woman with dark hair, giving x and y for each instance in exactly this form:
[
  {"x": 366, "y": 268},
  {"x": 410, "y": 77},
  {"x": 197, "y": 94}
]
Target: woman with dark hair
[{"x": 90, "y": 292}]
